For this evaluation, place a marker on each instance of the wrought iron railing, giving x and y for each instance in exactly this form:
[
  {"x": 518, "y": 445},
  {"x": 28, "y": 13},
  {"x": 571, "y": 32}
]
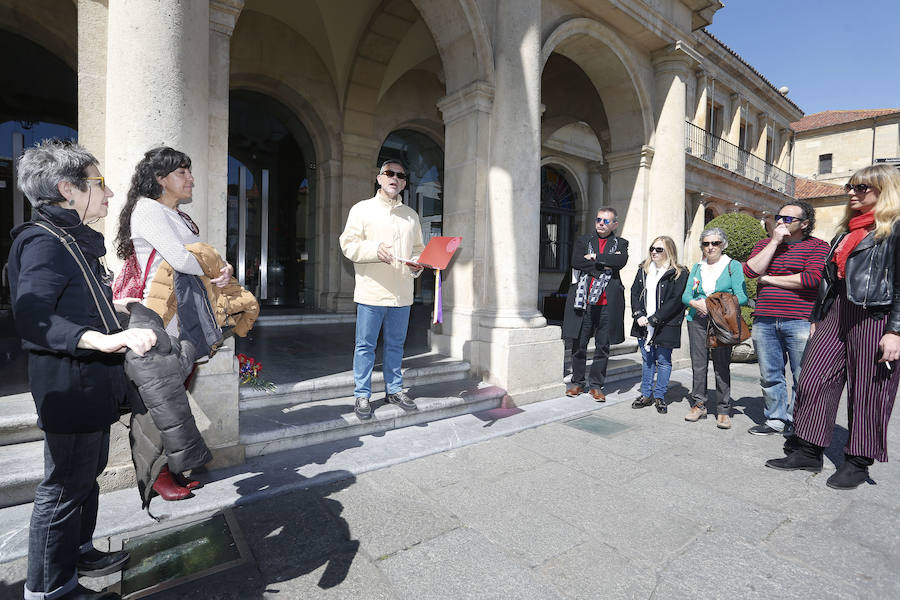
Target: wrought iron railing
[{"x": 715, "y": 150}]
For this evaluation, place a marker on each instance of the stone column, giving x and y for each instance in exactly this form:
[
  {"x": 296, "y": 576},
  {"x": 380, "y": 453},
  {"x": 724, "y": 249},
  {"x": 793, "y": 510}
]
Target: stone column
[
  {"x": 222, "y": 16},
  {"x": 762, "y": 120},
  {"x": 701, "y": 100},
  {"x": 733, "y": 131},
  {"x": 157, "y": 92},
  {"x": 665, "y": 213},
  {"x": 597, "y": 172},
  {"x": 697, "y": 212},
  {"x": 330, "y": 264}
]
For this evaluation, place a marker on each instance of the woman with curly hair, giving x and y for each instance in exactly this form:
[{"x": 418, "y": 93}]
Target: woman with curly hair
[{"x": 855, "y": 338}]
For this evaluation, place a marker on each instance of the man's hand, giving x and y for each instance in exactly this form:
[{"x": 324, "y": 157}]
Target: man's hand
[
  {"x": 590, "y": 257},
  {"x": 384, "y": 253},
  {"x": 642, "y": 321},
  {"x": 780, "y": 232}
]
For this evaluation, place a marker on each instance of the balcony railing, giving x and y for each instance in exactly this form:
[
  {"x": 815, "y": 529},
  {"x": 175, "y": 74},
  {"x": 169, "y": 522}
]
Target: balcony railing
[{"x": 715, "y": 150}]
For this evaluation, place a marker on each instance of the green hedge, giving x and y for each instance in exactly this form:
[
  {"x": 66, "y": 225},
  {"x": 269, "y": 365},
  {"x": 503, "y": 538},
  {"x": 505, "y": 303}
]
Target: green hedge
[{"x": 743, "y": 232}]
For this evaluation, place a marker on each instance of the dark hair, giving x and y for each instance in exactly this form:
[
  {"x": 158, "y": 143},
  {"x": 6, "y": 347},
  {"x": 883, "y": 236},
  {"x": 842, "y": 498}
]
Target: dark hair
[
  {"x": 49, "y": 163},
  {"x": 609, "y": 209},
  {"x": 157, "y": 162},
  {"x": 393, "y": 161},
  {"x": 809, "y": 214}
]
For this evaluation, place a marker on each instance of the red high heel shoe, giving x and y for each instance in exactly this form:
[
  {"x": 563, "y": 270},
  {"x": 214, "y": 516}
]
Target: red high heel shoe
[
  {"x": 168, "y": 489},
  {"x": 185, "y": 481}
]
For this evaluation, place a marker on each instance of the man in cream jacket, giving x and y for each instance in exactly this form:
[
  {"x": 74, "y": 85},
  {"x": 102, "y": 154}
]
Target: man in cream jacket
[{"x": 381, "y": 233}]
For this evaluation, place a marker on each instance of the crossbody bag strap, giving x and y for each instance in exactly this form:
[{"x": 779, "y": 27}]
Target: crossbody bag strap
[
  {"x": 147, "y": 270},
  {"x": 68, "y": 243}
]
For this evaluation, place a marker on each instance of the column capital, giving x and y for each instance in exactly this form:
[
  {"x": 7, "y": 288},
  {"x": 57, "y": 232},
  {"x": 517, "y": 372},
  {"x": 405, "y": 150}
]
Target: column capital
[
  {"x": 477, "y": 96},
  {"x": 762, "y": 116},
  {"x": 223, "y": 15},
  {"x": 630, "y": 159}
]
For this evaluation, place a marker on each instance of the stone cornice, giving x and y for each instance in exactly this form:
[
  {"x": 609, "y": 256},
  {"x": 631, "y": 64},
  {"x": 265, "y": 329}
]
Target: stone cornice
[
  {"x": 478, "y": 96},
  {"x": 678, "y": 56},
  {"x": 630, "y": 159},
  {"x": 223, "y": 15}
]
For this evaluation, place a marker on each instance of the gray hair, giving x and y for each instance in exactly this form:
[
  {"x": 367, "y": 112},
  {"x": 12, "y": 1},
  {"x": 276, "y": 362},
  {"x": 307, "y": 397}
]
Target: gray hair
[
  {"x": 49, "y": 163},
  {"x": 718, "y": 232}
]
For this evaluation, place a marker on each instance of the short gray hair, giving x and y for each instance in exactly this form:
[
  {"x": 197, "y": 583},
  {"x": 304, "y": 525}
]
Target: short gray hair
[
  {"x": 49, "y": 163},
  {"x": 718, "y": 232}
]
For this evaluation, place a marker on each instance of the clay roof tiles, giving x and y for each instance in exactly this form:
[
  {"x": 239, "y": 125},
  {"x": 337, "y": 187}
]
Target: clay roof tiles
[
  {"x": 808, "y": 188},
  {"x": 837, "y": 117}
]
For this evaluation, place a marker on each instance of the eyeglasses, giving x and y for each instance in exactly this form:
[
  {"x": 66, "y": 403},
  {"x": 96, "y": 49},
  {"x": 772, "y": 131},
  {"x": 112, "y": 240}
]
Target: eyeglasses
[
  {"x": 716, "y": 243},
  {"x": 859, "y": 188},
  {"x": 189, "y": 222},
  {"x": 657, "y": 250},
  {"x": 788, "y": 218},
  {"x": 605, "y": 221},
  {"x": 100, "y": 179},
  {"x": 398, "y": 174}
]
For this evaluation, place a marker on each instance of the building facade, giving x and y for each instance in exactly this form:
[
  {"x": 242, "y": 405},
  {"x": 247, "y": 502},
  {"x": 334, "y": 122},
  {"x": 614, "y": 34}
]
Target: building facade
[{"x": 518, "y": 119}]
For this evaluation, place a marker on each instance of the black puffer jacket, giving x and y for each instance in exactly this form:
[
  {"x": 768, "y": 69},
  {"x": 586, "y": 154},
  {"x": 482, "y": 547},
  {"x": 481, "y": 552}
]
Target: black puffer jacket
[
  {"x": 159, "y": 376},
  {"x": 872, "y": 278},
  {"x": 669, "y": 313}
]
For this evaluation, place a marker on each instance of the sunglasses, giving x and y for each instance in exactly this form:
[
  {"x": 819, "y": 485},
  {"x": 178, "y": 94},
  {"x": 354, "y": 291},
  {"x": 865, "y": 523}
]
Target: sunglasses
[
  {"x": 398, "y": 174},
  {"x": 605, "y": 221},
  {"x": 788, "y": 218},
  {"x": 656, "y": 249},
  {"x": 189, "y": 222},
  {"x": 716, "y": 243},
  {"x": 859, "y": 188}
]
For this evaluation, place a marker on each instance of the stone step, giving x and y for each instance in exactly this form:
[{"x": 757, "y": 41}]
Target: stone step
[
  {"x": 269, "y": 429},
  {"x": 423, "y": 369},
  {"x": 21, "y": 470},
  {"x": 18, "y": 420},
  {"x": 304, "y": 319}
]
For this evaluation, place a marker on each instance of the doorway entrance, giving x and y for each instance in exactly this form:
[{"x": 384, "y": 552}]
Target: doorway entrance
[{"x": 271, "y": 201}]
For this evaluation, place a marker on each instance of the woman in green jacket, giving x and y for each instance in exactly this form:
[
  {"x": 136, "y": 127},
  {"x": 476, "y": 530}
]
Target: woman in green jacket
[{"x": 716, "y": 272}]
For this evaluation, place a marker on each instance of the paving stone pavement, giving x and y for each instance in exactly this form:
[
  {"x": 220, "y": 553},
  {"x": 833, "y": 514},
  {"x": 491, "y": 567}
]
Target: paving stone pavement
[{"x": 663, "y": 509}]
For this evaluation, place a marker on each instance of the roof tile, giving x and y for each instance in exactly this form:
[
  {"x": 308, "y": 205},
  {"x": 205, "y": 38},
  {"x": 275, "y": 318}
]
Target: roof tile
[
  {"x": 837, "y": 117},
  {"x": 809, "y": 188}
]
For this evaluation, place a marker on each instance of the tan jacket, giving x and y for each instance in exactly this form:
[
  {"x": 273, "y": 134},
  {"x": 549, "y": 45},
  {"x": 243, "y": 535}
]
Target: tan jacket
[
  {"x": 370, "y": 223},
  {"x": 232, "y": 304}
]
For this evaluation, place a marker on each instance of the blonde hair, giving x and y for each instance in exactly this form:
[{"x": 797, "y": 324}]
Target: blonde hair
[
  {"x": 886, "y": 181},
  {"x": 671, "y": 255}
]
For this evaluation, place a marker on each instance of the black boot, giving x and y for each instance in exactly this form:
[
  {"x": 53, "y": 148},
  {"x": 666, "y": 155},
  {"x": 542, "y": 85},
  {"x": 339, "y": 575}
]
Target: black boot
[
  {"x": 852, "y": 472},
  {"x": 807, "y": 457}
]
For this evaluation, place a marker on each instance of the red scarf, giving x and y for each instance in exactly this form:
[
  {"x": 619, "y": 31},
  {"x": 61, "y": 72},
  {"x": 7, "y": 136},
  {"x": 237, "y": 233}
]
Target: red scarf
[{"x": 859, "y": 228}]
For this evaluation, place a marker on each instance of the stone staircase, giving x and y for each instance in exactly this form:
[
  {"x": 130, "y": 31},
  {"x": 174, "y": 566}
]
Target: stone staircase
[{"x": 299, "y": 414}]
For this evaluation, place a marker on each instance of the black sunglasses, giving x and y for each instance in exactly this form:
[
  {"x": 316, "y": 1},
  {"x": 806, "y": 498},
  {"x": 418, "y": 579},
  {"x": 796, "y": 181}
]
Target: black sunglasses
[
  {"x": 715, "y": 243},
  {"x": 788, "y": 218},
  {"x": 658, "y": 249},
  {"x": 189, "y": 222},
  {"x": 605, "y": 221},
  {"x": 859, "y": 188},
  {"x": 398, "y": 174}
]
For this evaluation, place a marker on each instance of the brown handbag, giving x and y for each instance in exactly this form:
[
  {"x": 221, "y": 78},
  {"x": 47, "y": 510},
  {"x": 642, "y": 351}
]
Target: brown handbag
[{"x": 725, "y": 326}]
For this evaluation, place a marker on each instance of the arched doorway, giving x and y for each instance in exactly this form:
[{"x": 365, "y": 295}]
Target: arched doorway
[
  {"x": 424, "y": 192},
  {"x": 271, "y": 200},
  {"x": 559, "y": 202}
]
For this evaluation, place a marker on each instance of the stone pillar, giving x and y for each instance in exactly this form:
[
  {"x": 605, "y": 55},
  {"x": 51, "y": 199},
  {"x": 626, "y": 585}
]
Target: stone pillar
[
  {"x": 665, "y": 213},
  {"x": 157, "y": 92},
  {"x": 697, "y": 212},
  {"x": 702, "y": 98},
  {"x": 597, "y": 173},
  {"x": 733, "y": 131},
  {"x": 222, "y": 16},
  {"x": 330, "y": 264},
  {"x": 762, "y": 120}
]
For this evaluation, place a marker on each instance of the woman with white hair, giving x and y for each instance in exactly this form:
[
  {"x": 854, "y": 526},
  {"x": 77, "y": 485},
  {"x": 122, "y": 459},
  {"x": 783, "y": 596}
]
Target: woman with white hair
[{"x": 716, "y": 272}]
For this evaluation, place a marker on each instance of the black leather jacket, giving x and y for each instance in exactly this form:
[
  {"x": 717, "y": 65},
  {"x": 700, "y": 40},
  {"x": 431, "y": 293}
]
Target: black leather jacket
[{"x": 870, "y": 280}]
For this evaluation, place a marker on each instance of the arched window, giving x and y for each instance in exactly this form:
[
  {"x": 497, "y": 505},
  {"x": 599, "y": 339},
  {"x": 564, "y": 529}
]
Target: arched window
[
  {"x": 424, "y": 190},
  {"x": 557, "y": 219}
]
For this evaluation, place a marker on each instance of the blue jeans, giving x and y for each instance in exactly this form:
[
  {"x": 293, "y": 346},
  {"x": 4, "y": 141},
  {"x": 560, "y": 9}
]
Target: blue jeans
[
  {"x": 65, "y": 511},
  {"x": 657, "y": 361},
  {"x": 369, "y": 321},
  {"x": 776, "y": 341}
]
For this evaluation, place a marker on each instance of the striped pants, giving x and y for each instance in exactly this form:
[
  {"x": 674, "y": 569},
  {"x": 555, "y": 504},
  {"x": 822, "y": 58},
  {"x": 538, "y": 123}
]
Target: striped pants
[{"x": 842, "y": 350}]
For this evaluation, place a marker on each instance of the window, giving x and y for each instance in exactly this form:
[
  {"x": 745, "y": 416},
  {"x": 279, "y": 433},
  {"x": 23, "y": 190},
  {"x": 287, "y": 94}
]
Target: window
[
  {"x": 824, "y": 164},
  {"x": 714, "y": 119},
  {"x": 557, "y": 220}
]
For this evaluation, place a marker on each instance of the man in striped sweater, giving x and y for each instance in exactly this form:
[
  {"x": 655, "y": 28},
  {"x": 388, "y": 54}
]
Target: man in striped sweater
[{"x": 789, "y": 266}]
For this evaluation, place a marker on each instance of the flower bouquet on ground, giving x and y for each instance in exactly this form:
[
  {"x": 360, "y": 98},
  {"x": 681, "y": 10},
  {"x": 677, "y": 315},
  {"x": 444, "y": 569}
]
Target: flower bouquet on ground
[{"x": 249, "y": 374}]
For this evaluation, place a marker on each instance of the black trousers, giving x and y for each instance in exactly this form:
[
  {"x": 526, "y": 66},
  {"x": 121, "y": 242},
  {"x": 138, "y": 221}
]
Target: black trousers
[{"x": 594, "y": 324}]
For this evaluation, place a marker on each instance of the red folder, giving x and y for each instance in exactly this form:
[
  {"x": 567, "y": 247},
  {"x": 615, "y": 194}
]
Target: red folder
[{"x": 437, "y": 253}]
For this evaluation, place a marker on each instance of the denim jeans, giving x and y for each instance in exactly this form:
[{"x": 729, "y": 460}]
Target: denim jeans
[
  {"x": 657, "y": 361},
  {"x": 369, "y": 321},
  {"x": 65, "y": 510},
  {"x": 777, "y": 340}
]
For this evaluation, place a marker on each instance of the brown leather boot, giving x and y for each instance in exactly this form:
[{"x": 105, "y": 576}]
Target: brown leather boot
[
  {"x": 168, "y": 489},
  {"x": 698, "y": 411}
]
